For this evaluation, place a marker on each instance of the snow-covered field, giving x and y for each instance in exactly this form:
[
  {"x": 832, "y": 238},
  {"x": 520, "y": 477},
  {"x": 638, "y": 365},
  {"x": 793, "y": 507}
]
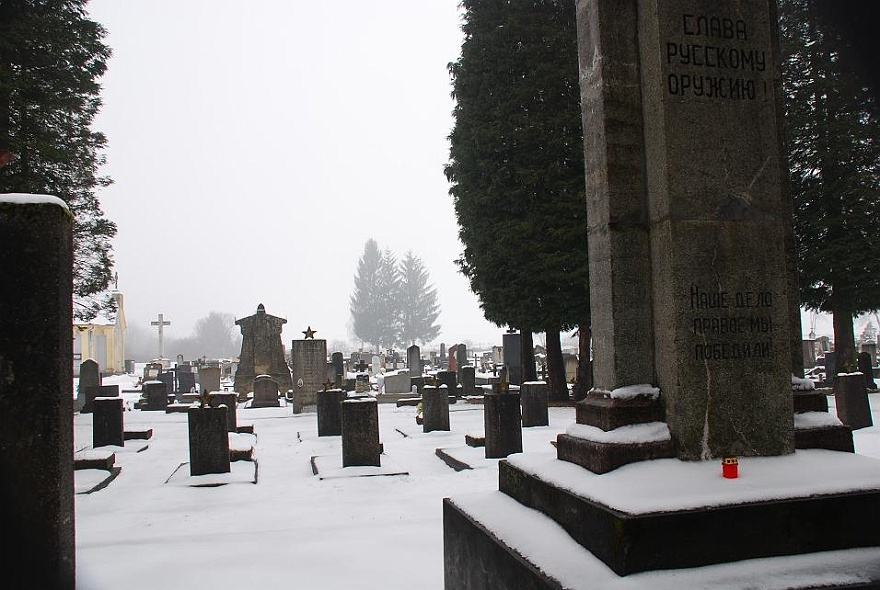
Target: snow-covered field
[{"x": 150, "y": 529}]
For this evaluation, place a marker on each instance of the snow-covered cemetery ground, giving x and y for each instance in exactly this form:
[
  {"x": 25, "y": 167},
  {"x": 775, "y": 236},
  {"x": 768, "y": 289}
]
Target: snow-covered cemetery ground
[{"x": 155, "y": 527}]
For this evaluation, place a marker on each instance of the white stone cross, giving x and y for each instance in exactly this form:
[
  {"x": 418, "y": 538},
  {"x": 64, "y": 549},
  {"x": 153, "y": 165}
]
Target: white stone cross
[{"x": 161, "y": 323}]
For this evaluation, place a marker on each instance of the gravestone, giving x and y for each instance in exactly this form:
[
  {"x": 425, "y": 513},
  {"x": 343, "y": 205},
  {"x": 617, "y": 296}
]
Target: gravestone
[
  {"x": 461, "y": 360},
  {"x": 398, "y": 382},
  {"x": 107, "y": 422},
  {"x": 375, "y": 365},
  {"x": 435, "y": 408},
  {"x": 89, "y": 376},
  {"x": 468, "y": 380},
  {"x": 871, "y": 349},
  {"x": 36, "y": 393},
  {"x": 452, "y": 360},
  {"x": 448, "y": 379},
  {"x": 330, "y": 412},
  {"x": 866, "y": 368},
  {"x": 830, "y": 367},
  {"x": 534, "y": 397},
  {"x": 851, "y": 400},
  {"x": 208, "y": 441},
  {"x": 511, "y": 347},
  {"x": 186, "y": 380},
  {"x": 209, "y": 379},
  {"x": 262, "y": 352},
  {"x": 360, "y": 433},
  {"x": 337, "y": 364},
  {"x": 95, "y": 391},
  {"x": 166, "y": 377},
  {"x": 309, "y": 361},
  {"x": 444, "y": 364},
  {"x": 228, "y": 399},
  {"x": 151, "y": 371},
  {"x": 154, "y": 396},
  {"x": 362, "y": 383},
  {"x": 693, "y": 302},
  {"x": 414, "y": 364},
  {"x": 502, "y": 422},
  {"x": 265, "y": 392}
]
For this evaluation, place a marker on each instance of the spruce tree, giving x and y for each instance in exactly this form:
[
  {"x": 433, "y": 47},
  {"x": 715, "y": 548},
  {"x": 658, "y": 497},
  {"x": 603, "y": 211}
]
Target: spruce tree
[
  {"x": 388, "y": 298},
  {"x": 834, "y": 157},
  {"x": 418, "y": 302},
  {"x": 516, "y": 167},
  {"x": 51, "y": 57},
  {"x": 365, "y": 304}
]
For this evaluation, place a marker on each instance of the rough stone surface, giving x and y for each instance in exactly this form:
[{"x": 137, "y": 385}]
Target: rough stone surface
[
  {"x": 262, "y": 352},
  {"x": 449, "y": 379},
  {"x": 92, "y": 391},
  {"x": 208, "y": 441},
  {"x": 609, "y": 413},
  {"x": 435, "y": 408},
  {"x": 330, "y": 412},
  {"x": 309, "y": 362},
  {"x": 809, "y": 401},
  {"x": 360, "y": 433},
  {"x": 36, "y": 395},
  {"x": 107, "y": 422},
  {"x": 851, "y": 399},
  {"x": 209, "y": 379},
  {"x": 502, "y": 422},
  {"x": 832, "y": 438},
  {"x": 534, "y": 396},
  {"x": 602, "y": 457},
  {"x": 228, "y": 399}
]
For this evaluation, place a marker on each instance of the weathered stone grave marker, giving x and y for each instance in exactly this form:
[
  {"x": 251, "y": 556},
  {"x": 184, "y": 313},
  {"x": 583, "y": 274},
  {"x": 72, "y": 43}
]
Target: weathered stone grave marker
[
  {"x": 360, "y": 433},
  {"x": 309, "y": 360},
  {"x": 107, "y": 422},
  {"x": 262, "y": 352},
  {"x": 265, "y": 392}
]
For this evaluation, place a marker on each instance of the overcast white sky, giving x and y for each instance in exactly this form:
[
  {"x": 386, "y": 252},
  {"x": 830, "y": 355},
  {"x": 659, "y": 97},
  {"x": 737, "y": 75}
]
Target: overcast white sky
[{"x": 255, "y": 147}]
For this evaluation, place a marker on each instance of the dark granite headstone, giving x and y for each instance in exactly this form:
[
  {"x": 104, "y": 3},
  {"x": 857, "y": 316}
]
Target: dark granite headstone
[
  {"x": 502, "y": 423},
  {"x": 262, "y": 352},
  {"x": 186, "y": 381},
  {"x": 830, "y": 367},
  {"x": 265, "y": 392},
  {"x": 208, "y": 441},
  {"x": 534, "y": 396},
  {"x": 867, "y": 370},
  {"x": 851, "y": 399},
  {"x": 36, "y": 393},
  {"x": 512, "y": 345},
  {"x": 330, "y": 412},
  {"x": 91, "y": 392},
  {"x": 461, "y": 360},
  {"x": 154, "y": 396},
  {"x": 337, "y": 364},
  {"x": 449, "y": 379},
  {"x": 167, "y": 377},
  {"x": 89, "y": 376},
  {"x": 469, "y": 380},
  {"x": 228, "y": 399},
  {"x": 435, "y": 408},
  {"x": 107, "y": 425},
  {"x": 360, "y": 433}
]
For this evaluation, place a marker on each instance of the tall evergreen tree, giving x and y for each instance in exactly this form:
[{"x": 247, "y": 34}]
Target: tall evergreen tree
[
  {"x": 419, "y": 308},
  {"x": 51, "y": 57},
  {"x": 388, "y": 297},
  {"x": 516, "y": 167},
  {"x": 834, "y": 156},
  {"x": 365, "y": 304}
]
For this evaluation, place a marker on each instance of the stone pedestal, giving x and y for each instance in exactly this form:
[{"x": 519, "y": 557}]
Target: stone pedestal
[
  {"x": 217, "y": 399},
  {"x": 360, "y": 433},
  {"x": 107, "y": 426},
  {"x": 208, "y": 441},
  {"x": 154, "y": 396},
  {"x": 330, "y": 412},
  {"x": 94, "y": 391},
  {"x": 534, "y": 396},
  {"x": 435, "y": 408},
  {"x": 36, "y": 394},
  {"x": 502, "y": 422},
  {"x": 851, "y": 399}
]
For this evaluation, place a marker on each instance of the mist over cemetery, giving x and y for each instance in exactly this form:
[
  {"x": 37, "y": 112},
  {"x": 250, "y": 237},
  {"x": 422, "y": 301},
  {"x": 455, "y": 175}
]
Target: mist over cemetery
[{"x": 692, "y": 439}]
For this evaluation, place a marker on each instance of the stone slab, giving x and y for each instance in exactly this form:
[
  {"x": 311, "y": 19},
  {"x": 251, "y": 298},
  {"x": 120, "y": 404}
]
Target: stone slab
[
  {"x": 489, "y": 544},
  {"x": 465, "y": 457},
  {"x": 145, "y": 434},
  {"x": 330, "y": 467},
  {"x": 810, "y": 401},
  {"x": 609, "y": 413},
  {"x": 240, "y": 472},
  {"x": 756, "y": 518},
  {"x": 602, "y": 457},
  {"x": 832, "y": 438},
  {"x": 88, "y": 481}
]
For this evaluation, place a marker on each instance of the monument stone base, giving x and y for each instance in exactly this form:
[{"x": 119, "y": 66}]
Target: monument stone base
[{"x": 807, "y": 503}]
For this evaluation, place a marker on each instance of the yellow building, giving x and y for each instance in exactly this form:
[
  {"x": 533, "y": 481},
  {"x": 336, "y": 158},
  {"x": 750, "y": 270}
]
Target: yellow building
[{"x": 103, "y": 340}]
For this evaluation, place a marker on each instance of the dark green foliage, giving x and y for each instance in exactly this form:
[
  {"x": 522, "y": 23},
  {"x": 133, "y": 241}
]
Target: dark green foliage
[
  {"x": 365, "y": 303},
  {"x": 834, "y": 159},
  {"x": 516, "y": 164},
  {"x": 51, "y": 57}
]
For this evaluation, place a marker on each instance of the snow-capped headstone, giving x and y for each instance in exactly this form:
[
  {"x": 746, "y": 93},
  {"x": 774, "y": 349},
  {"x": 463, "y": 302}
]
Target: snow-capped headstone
[
  {"x": 107, "y": 422},
  {"x": 309, "y": 363},
  {"x": 36, "y": 393},
  {"x": 329, "y": 410},
  {"x": 502, "y": 422},
  {"x": 265, "y": 392},
  {"x": 262, "y": 352},
  {"x": 435, "y": 408},
  {"x": 360, "y": 433},
  {"x": 208, "y": 440},
  {"x": 228, "y": 399}
]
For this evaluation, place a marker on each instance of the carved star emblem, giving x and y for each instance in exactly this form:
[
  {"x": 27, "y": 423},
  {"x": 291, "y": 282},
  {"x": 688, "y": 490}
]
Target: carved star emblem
[{"x": 310, "y": 333}]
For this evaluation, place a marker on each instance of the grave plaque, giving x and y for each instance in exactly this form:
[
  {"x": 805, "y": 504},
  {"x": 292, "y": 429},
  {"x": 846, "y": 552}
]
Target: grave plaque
[{"x": 309, "y": 359}]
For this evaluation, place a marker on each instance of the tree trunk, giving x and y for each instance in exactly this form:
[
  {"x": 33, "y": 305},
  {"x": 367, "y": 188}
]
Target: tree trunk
[
  {"x": 844, "y": 341},
  {"x": 584, "y": 381},
  {"x": 527, "y": 356},
  {"x": 556, "y": 384}
]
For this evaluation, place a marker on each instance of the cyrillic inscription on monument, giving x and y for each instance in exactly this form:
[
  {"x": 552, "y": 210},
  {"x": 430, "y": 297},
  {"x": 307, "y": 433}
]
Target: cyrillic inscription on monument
[{"x": 732, "y": 326}]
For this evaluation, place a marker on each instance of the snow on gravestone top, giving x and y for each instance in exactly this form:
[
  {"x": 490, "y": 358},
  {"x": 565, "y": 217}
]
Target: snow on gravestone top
[{"x": 32, "y": 199}]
